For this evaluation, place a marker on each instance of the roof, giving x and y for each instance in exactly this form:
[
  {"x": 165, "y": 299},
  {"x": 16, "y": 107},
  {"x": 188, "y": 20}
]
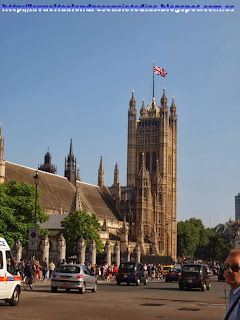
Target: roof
[
  {"x": 54, "y": 221},
  {"x": 95, "y": 200},
  {"x": 58, "y": 195}
]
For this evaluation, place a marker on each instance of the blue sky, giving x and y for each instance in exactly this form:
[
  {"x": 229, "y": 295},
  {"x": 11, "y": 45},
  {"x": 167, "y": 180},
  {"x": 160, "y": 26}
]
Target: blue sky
[{"x": 70, "y": 75}]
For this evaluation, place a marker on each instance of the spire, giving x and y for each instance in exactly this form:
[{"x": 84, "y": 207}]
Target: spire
[
  {"x": 116, "y": 174},
  {"x": 1, "y": 145},
  {"x": 101, "y": 174},
  {"x": 153, "y": 108},
  {"x": 143, "y": 109},
  {"x": 78, "y": 174},
  {"x": 70, "y": 166},
  {"x": 132, "y": 102},
  {"x": 164, "y": 99},
  {"x": 71, "y": 149},
  {"x": 173, "y": 108},
  {"x": 173, "y": 114}
]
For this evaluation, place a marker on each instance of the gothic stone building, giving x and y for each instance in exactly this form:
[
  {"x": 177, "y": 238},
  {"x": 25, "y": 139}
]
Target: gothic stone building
[{"x": 141, "y": 214}]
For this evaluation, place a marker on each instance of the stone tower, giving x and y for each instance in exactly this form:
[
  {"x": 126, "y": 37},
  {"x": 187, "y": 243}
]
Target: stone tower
[
  {"x": 2, "y": 162},
  {"x": 152, "y": 171},
  {"x": 70, "y": 166},
  {"x": 48, "y": 166}
]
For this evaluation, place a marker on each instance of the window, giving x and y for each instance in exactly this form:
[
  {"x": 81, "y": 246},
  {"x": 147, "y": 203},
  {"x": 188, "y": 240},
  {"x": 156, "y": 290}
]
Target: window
[
  {"x": 68, "y": 269},
  {"x": 10, "y": 263},
  {"x": 154, "y": 162},
  {"x": 1, "y": 260},
  {"x": 86, "y": 271},
  {"x": 140, "y": 160},
  {"x": 148, "y": 161}
]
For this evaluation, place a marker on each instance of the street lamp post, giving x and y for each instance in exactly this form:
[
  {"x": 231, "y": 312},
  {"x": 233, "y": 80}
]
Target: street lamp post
[{"x": 36, "y": 181}]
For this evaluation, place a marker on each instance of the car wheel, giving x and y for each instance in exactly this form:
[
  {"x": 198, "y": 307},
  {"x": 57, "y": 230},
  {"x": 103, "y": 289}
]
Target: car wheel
[
  {"x": 15, "y": 297},
  {"x": 82, "y": 290},
  {"x": 204, "y": 287},
  {"x": 54, "y": 289},
  {"x": 94, "y": 289},
  {"x": 209, "y": 286},
  {"x": 138, "y": 282},
  {"x": 68, "y": 290},
  {"x": 118, "y": 283}
]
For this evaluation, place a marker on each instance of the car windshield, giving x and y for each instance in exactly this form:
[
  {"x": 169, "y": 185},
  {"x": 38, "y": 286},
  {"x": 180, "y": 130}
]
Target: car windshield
[
  {"x": 166, "y": 268},
  {"x": 127, "y": 265},
  {"x": 68, "y": 269},
  {"x": 192, "y": 268}
]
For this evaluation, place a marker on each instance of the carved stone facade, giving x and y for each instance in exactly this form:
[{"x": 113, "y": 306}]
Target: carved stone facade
[
  {"x": 149, "y": 201},
  {"x": 138, "y": 220}
]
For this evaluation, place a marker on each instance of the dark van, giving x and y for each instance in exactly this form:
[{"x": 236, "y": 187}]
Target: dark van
[
  {"x": 131, "y": 272},
  {"x": 194, "y": 275}
]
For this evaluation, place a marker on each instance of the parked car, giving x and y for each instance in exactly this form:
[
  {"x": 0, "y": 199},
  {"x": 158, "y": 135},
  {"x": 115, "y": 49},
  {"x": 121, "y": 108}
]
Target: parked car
[
  {"x": 73, "y": 276},
  {"x": 172, "y": 275},
  {"x": 221, "y": 276},
  {"x": 165, "y": 269},
  {"x": 194, "y": 276},
  {"x": 131, "y": 272}
]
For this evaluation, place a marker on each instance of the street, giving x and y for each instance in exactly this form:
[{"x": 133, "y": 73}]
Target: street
[{"x": 157, "y": 300}]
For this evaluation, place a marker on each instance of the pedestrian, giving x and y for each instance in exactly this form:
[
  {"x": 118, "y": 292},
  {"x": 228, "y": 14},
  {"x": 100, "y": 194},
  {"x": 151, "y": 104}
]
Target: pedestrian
[
  {"x": 51, "y": 268},
  {"x": 232, "y": 276},
  {"x": 59, "y": 263},
  {"x": 44, "y": 269},
  {"x": 37, "y": 270}
]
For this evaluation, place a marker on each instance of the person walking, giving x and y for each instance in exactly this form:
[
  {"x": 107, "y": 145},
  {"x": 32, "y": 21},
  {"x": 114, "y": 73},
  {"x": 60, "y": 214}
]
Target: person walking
[
  {"x": 232, "y": 276},
  {"x": 37, "y": 270},
  {"x": 51, "y": 268},
  {"x": 44, "y": 269}
]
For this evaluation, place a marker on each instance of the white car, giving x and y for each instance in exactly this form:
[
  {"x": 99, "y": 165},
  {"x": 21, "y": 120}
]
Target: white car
[{"x": 73, "y": 276}]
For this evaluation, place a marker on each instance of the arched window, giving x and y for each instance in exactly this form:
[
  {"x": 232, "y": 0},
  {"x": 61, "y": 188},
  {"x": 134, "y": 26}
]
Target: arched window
[
  {"x": 140, "y": 160},
  {"x": 148, "y": 161},
  {"x": 154, "y": 162}
]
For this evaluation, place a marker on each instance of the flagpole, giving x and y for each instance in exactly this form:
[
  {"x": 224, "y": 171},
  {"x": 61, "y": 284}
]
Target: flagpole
[{"x": 153, "y": 78}]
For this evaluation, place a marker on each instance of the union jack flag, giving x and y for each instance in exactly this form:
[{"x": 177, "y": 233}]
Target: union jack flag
[
  {"x": 157, "y": 70},
  {"x": 164, "y": 73}
]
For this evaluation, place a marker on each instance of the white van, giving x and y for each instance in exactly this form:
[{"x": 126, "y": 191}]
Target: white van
[{"x": 10, "y": 281}]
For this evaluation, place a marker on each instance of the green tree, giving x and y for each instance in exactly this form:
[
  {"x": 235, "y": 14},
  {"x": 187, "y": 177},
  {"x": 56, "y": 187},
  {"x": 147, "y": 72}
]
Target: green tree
[
  {"x": 17, "y": 211},
  {"x": 192, "y": 236},
  {"x": 219, "y": 247},
  {"x": 81, "y": 224}
]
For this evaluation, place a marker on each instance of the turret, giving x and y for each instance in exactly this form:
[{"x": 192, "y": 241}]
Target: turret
[
  {"x": 78, "y": 174},
  {"x": 132, "y": 131},
  {"x": 116, "y": 175},
  {"x": 47, "y": 166},
  {"x": 70, "y": 166},
  {"x": 173, "y": 114},
  {"x": 101, "y": 174},
  {"x": 143, "y": 111}
]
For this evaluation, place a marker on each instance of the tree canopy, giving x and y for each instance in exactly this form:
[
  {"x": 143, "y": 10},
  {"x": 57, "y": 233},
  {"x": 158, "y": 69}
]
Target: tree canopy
[
  {"x": 17, "y": 212},
  {"x": 81, "y": 224},
  {"x": 196, "y": 241}
]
